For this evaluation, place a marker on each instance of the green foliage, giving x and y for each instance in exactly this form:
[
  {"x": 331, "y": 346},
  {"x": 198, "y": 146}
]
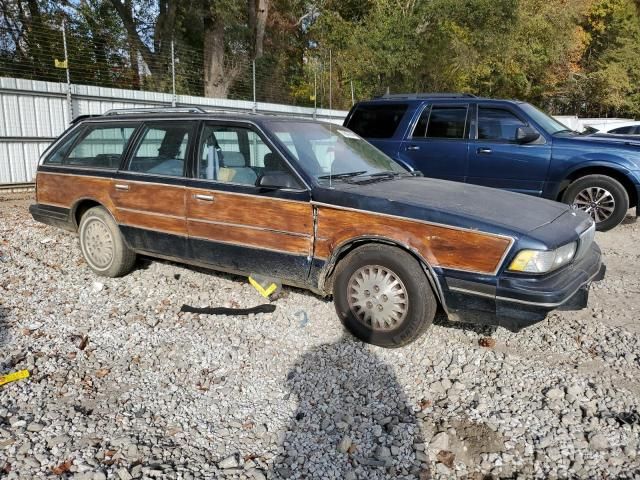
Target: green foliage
[{"x": 567, "y": 56}]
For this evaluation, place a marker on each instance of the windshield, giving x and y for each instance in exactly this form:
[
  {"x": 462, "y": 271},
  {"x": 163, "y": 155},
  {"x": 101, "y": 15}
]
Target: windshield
[
  {"x": 328, "y": 151},
  {"x": 548, "y": 124}
]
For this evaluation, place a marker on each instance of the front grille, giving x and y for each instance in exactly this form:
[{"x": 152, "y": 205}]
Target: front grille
[{"x": 586, "y": 239}]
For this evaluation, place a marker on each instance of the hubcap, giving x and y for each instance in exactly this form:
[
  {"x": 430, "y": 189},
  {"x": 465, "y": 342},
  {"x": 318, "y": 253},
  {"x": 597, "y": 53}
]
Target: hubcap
[
  {"x": 597, "y": 202},
  {"x": 98, "y": 243},
  {"x": 377, "y": 297}
]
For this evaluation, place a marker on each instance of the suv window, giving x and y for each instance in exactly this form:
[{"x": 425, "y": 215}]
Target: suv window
[
  {"x": 99, "y": 147},
  {"x": 377, "y": 121},
  {"x": 622, "y": 130},
  {"x": 162, "y": 150},
  {"x": 497, "y": 124},
  {"x": 442, "y": 122},
  {"x": 235, "y": 155}
]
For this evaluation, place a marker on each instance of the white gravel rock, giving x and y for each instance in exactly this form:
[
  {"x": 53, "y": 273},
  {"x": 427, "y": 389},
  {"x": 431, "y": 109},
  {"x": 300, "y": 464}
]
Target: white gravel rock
[{"x": 123, "y": 385}]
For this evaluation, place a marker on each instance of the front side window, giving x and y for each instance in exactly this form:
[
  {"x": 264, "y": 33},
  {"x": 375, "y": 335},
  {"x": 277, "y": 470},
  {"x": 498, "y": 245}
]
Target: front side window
[
  {"x": 162, "y": 150},
  {"x": 99, "y": 147},
  {"x": 497, "y": 124},
  {"x": 233, "y": 154}
]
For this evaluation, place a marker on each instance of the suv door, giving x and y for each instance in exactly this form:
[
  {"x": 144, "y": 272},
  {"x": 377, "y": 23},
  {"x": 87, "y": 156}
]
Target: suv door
[
  {"x": 497, "y": 160},
  {"x": 240, "y": 227},
  {"x": 149, "y": 191},
  {"x": 437, "y": 144}
]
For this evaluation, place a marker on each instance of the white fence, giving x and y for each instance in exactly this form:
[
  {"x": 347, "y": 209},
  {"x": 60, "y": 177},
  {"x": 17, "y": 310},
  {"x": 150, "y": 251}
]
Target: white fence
[{"x": 34, "y": 113}]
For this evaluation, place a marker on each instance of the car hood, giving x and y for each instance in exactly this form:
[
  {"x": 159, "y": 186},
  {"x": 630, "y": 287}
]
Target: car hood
[
  {"x": 450, "y": 203},
  {"x": 606, "y": 140}
]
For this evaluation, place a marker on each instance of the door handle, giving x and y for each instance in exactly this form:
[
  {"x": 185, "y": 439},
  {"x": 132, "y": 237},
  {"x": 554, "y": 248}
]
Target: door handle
[
  {"x": 122, "y": 186},
  {"x": 205, "y": 198},
  {"x": 484, "y": 150},
  {"x": 413, "y": 147}
]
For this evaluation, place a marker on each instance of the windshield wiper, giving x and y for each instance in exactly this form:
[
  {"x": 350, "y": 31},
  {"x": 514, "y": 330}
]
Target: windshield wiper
[{"x": 342, "y": 175}]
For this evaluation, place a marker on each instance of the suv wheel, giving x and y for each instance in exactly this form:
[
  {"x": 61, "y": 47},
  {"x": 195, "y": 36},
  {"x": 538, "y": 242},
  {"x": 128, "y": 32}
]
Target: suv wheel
[
  {"x": 602, "y": 197},
  {"x": 102, "y": 244},
  {"x": 382, "y": 296}
]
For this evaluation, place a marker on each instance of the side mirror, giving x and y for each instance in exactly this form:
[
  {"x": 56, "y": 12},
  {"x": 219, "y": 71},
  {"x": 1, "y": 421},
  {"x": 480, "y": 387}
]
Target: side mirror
[
  {"x": 526, "y": 134},
  {"x": 277, "y": 180}
]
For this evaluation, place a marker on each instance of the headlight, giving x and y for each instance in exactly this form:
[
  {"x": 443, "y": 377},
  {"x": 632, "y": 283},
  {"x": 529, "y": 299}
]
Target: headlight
[{"x": 540, "y": 261}]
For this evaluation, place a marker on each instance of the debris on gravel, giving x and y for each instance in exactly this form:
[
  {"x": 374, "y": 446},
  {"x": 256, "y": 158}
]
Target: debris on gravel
[{"x": 123, "y": 385}]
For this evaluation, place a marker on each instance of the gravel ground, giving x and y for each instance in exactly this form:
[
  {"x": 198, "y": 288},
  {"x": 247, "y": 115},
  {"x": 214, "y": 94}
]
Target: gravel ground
[{"x": 125, "y": 386}]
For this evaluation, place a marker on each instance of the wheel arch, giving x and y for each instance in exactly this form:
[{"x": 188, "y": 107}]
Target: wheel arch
[
  {"x": 326, "y": 278},
  {"x": 612, "y": 172},
  {"x": 81, "y": 206}
]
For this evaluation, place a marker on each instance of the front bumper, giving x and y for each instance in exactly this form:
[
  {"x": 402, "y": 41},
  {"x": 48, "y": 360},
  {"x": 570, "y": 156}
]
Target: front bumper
[{"x": 516, "y": 301}]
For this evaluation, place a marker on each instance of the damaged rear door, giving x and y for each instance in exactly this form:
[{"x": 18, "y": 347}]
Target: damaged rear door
[{"x": 234, "y": 224}]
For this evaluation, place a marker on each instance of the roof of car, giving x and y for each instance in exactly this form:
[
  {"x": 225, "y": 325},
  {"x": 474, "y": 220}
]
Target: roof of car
[
  {"x": 419, "y": 97},
  {"x": 188, "y": 113}
]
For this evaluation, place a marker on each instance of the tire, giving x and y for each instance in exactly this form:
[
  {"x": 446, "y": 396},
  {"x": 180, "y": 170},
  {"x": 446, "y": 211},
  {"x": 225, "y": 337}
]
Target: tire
[
  {"x": 102, "y": 244},
  {"x": 610, "y": 199},
  {"x": 358, "y": 270}
]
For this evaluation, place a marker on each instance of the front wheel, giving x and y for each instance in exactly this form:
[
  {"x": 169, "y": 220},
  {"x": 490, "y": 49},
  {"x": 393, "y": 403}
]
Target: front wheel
[
  {"x": 602, "y": 197},
  {"x": 382, "y": 295}
]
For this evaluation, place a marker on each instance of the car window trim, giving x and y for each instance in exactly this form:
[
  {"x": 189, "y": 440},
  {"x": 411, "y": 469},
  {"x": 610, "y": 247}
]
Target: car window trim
[
  {"x": 139, "y": 135},
  {"x": 263, "y": 136},
  {"x": 430, "y": 106}
]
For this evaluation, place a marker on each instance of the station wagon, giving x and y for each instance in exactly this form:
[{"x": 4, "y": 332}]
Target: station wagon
[{"x": 316, "y": 206}]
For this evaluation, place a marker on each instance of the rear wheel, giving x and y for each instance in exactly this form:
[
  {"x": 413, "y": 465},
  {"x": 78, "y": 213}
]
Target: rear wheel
[
  {"x": 102, "y": 244},
  {"x": 383, "y": 296},
  {"x": 602, "y": 197}
]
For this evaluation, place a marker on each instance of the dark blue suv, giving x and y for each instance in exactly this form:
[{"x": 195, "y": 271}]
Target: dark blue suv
[{"x": 504, "y": 144}]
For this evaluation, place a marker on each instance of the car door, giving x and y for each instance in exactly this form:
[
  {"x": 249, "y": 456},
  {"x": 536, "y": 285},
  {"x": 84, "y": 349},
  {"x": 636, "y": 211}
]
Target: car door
[
  {"x": 437, "y": 145},
  {"x": 237, "y": 226},
  {"x": 149, "y": 191},
  {"x": 497, "y": 160}
]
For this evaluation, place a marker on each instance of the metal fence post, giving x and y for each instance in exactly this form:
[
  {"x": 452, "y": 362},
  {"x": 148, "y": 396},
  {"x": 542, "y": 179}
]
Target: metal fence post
[
  {"x": 353, "y": 98},
  {"x": 330, "y": 79},
  {"x": 315, "y": 90},
  {"x": 255, "y": 102},
  {"x": 66, "y": 63},
  {"x": 173, "y": 75}
]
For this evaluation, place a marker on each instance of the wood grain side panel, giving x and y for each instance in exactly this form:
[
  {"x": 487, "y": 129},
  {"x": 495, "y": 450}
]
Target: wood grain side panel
[
  {"x": 251, "y": 237},
  {"x": 154, "y": 198},
  {"x": 440, "y": 246},
  {"x": 65, "y": 190},
  {"x": 256, "y": 211},
  {"x": 162, "y": 223}
]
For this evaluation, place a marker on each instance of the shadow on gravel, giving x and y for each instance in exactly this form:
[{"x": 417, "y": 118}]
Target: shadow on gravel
[
  {"x": 442, "y": 321},
  {"x": 353, "y": 420}
]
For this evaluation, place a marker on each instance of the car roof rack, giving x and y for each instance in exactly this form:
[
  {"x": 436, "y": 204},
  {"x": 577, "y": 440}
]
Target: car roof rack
[
  {"x": 125, "y": 111},
  {"x": 410, "y": 96}
]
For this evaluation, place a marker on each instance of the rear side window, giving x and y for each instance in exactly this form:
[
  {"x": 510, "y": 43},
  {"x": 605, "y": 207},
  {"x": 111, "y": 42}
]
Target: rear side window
[
  {"x": 95, "y": 147},
  {"x": 622, "y": 130},
  {"x": 447, "y": 122},
  {"x": 162, "y": 150},
  {"x": 377, "y": 121},
  {"x": 497, "y": 124}
]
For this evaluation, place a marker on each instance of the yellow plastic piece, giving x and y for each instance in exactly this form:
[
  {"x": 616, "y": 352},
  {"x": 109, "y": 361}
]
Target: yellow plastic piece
[
  {"x": 265, "y": 292},
  {"x": 12, "y": 377}
]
